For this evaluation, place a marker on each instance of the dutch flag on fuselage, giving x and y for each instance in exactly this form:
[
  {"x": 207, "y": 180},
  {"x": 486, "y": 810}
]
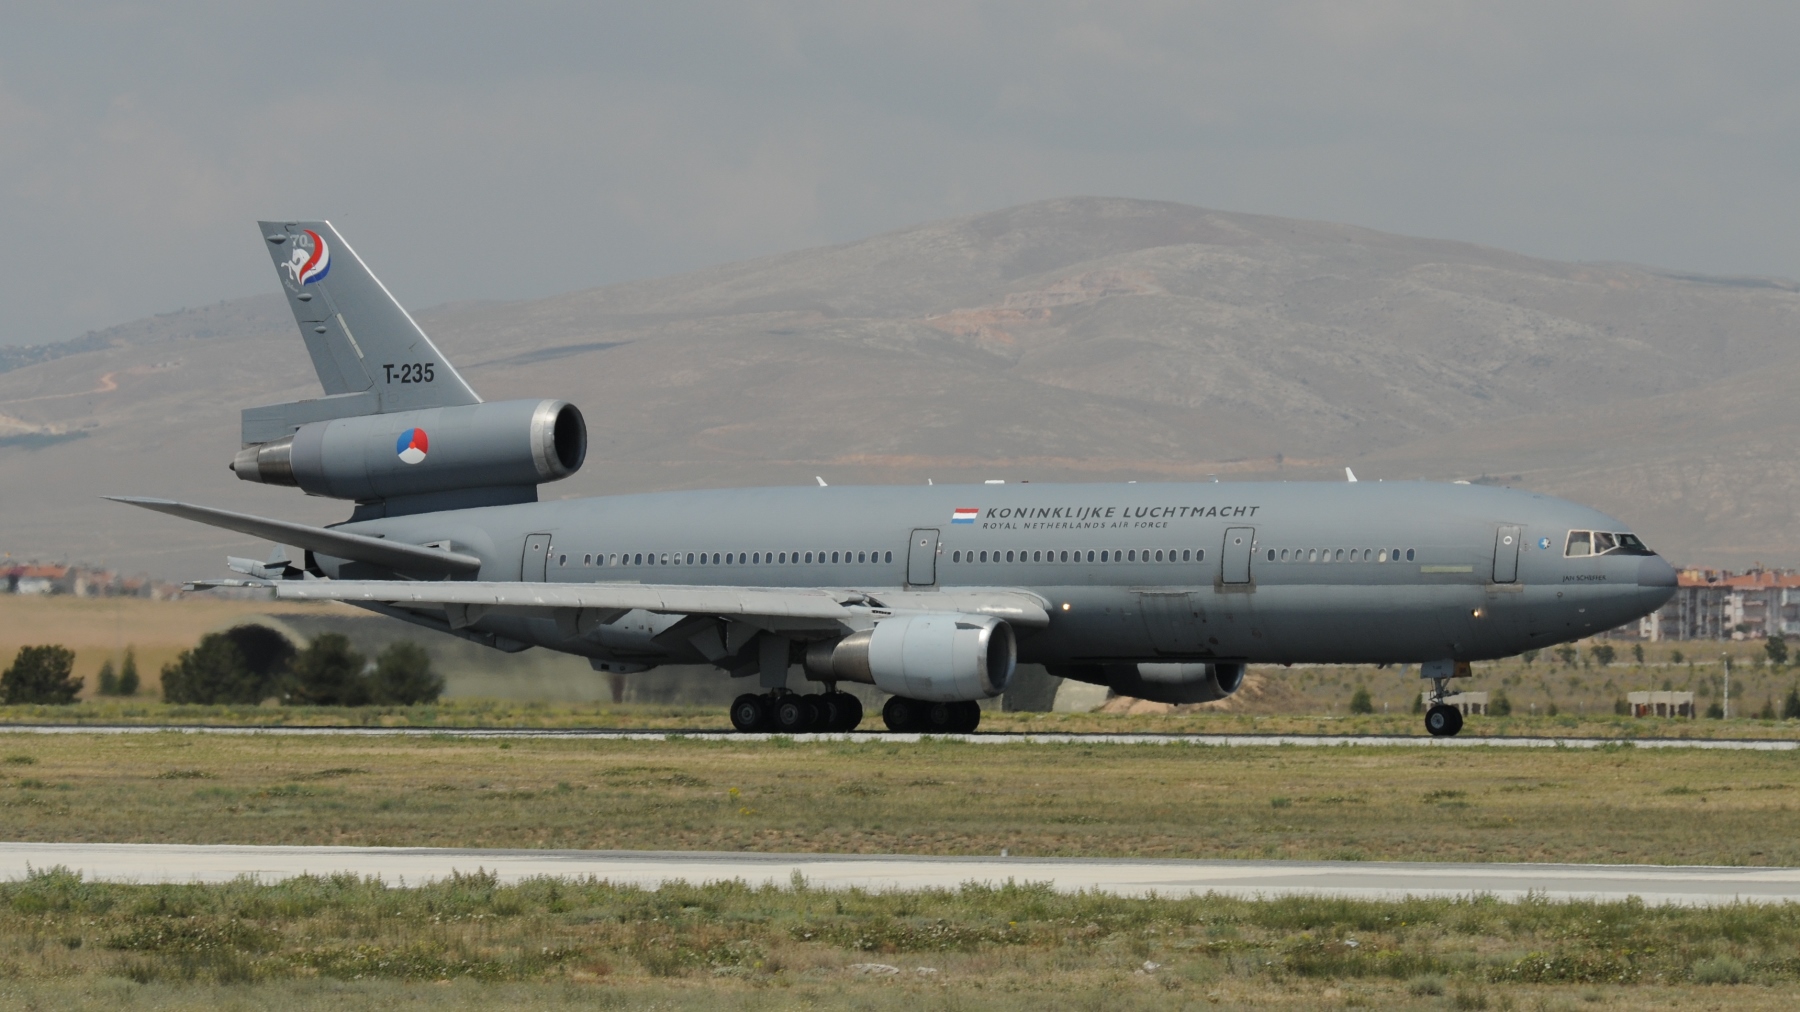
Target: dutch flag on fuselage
[{"x": 964, "y": 514}]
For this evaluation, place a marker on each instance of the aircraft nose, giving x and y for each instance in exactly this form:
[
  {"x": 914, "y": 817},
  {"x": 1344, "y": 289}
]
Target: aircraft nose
[{"x": 1654, "y": 572}]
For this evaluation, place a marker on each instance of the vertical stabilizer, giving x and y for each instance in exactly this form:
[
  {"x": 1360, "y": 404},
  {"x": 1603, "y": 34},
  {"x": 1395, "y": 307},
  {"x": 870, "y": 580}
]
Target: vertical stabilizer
[{"x": 362, "y": 342}]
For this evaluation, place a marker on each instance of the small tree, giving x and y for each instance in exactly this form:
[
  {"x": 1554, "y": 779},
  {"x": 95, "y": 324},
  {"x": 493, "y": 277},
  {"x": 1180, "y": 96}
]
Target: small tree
[
  {"x": 329, "y": 673},
  {"x": 1676, "y": 657},
  {"x": 128, "y": 674},
  {"x": 213, "y": 672},
  {"x": 1768, "y": 709},
  {"x": 1777, "y": 650},
  {"x": 1529, "y": 656},
  {"x": 40, "y": 675},
  {"x": 1637, "y": 653},
  {"x": 1715, "y": 711},
  {"x": 1360, "y": 701},
  {"x": 1500, "y": 706},
  {"x": 1603, "y": 653},
  {"x": 403, "y": 676},
  {"x": 1567, "y": 653},
  {"x": 1790, "y": 707},
  {"x": 107, "y": 683}
]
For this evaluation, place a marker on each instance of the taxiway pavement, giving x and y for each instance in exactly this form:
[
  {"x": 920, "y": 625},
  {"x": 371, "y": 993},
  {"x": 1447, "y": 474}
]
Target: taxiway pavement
[{"x": 154, "y": 863}]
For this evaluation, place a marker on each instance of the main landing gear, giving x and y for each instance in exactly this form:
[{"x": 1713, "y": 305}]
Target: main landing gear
[
  {"x": 903, "y": 714},
  {"x": 792, "y": 713},
  {"x": 1442, "y": 719}
]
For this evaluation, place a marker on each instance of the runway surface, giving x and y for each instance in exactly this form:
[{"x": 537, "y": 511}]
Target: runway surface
[
  {"x": 1656, "y": 885},
  {"x": 1006, "y": 738}
]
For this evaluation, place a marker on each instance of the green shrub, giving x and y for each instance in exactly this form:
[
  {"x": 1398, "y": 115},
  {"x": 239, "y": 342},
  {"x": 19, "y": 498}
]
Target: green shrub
[
  {"x": 329, "y": 673},
  {"x": 403, "y": 676},
  {"x": 1360, "y": 701},
  {"x": 1499, "y": 705},
  {"x": 213, "y": 672},
  {"x": 40, "y": 675},
  {"x": 128, "y": 674},
  {"x": 107, "y": 683},
  {"x": 1718, "y": 970}
]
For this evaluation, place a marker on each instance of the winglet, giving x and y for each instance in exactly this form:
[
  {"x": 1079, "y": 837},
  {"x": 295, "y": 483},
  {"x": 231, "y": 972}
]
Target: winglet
[{"x": 1349, "y": 474}]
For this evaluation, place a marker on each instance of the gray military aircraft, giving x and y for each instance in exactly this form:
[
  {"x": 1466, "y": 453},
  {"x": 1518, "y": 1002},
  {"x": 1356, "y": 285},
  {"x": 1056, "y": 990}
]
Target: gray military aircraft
[{"x": 932, "y": 594}]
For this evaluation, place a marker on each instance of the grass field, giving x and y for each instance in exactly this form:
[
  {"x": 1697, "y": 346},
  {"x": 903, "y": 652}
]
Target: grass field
[
  {"x": 341, "y": 942},
  {"x": 1616, "y": 804}
]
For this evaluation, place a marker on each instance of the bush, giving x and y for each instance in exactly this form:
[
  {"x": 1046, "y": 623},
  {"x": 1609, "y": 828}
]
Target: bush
[
  {"x": 211, "y": 673},
  {"x": 40, "y": 675},
  {"x": 107, "y": 683},
  {"x": 1777, "y": 650},
  {"x": 1603, "y": 653},
  {"x": 1360, "y": 701},
  {"x": 403, "y": 676},
  {"x": 1718, "y": 970},
  {"x": 1790, "y": 707},
  {"x": 1499, "y": 705},
  {"x": 329, "y": 673},
  {"x": 1715, "y": 711},
  {"x": 128, "y": 674}
]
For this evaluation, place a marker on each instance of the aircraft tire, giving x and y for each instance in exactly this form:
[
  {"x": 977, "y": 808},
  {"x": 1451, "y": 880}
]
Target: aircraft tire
[
  {"x": 846, "y": 711},
  {"x": 968, "y": 716},
  {"x": 749, "y": 712},
  {"x": 943, "y": 718},
  {"x": 794, "y": 714},
  {"x": 903, "y": 714},
  {"x": 1443, "y": 720}
]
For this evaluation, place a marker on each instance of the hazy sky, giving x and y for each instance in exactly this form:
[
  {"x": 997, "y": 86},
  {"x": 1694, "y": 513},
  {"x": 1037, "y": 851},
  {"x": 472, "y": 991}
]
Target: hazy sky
[{"x": 504, "y": 151}]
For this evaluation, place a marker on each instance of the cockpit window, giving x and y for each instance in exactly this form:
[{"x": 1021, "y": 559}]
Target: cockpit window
[{"x": 1583, "y": 543}]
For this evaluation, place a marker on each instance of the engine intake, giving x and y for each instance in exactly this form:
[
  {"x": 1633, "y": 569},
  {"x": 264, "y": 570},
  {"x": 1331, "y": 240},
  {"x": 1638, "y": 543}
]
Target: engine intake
[
  {"x": 938, "y": 658},
  {"x": 505, "y": 443}
]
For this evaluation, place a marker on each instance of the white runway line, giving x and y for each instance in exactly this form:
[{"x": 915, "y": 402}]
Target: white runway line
[
  {"x": 1007, "y": 738},
  {"x": 1656, "y": 885}
]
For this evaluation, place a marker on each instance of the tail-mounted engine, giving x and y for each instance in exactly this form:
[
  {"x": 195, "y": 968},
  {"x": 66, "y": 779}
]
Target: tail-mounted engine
[
  {"x": 937, "y": 658},
  {"x": 516, "y": 444}
]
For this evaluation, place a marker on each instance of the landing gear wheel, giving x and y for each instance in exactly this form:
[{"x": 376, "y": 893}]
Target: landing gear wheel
[
  {"x": 750, "y": 712},
  {"x": 903, "y": 714},
  {"x": 847, "y": 711},
  {"x": 943, "y": 718},
  {"x": 967, "y": 716},
  {"x": 795, "y": 714},
  {"x": 1443, "y": 720}
]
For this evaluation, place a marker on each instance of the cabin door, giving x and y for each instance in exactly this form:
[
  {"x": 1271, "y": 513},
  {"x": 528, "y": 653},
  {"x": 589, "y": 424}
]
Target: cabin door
[
  {"x": 1506, "y": 554},
  {"x": 921, "y": 558},
  {"x": 1235, "y": 559},
  {"x": 536, "y": 565}
]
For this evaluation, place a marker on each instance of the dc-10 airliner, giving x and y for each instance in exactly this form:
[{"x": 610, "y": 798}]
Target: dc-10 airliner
[{"x": 933, "y": 594}]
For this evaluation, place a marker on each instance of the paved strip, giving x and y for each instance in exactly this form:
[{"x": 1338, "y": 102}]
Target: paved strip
[
  {"x": 1006, "y": 738},
  {"x": 156, "y": 863}
]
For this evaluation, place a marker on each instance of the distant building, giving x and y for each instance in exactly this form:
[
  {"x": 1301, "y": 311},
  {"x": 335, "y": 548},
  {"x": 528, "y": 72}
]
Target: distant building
[
  {"x": 1660, "y": 704},
  {"x": 1470, "y": 703},
  {"x": 1717, "y": 605}
]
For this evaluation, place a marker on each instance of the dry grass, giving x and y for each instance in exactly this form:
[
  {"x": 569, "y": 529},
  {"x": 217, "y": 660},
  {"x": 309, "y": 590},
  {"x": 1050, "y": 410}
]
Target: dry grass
[
  {"x": 1617, "y": 804},
  {"x": 310, "y": 943}
]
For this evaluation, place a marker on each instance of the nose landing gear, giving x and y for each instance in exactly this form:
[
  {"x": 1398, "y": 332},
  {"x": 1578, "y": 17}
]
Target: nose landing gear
[{"x": 1443, "y": 720}]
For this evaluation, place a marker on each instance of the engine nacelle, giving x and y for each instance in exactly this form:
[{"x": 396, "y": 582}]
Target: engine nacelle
[
  {"x": 1160, "y": 682},
  {"x": 505, "y": 443},
  {"x": 938, "y": 658}
]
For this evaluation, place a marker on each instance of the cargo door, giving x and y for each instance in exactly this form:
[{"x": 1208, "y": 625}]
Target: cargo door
[
  {"x": 1174, "y": 622},
  {"x": 921, "y": 558},
  {"x": 1506, "y": 554},
  {"x": 1234, "y": 560},
  {"x": 536, "y": 566}
]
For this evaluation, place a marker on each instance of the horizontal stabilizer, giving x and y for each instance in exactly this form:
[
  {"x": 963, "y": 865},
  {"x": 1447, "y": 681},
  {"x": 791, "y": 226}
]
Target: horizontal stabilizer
[{"x": 395, "y": 555}]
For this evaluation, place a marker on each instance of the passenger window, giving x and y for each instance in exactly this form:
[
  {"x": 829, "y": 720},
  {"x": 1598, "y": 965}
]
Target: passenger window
[
  {"x": 1009, "y": 556},
  {"x": 1271, "y": 555},
  {"x": 562, "y": 560},
  {"x": 862, "y": 557},
  {"x": 690, "y": 558},
  {"x": 1338, "y": 556},
  {"x": 1186, "y": 555},
  {"x": 1409, "y": 555},
  {"x": 665, "y": 558},
  {"x": 1159, "y": 555},
  {"x": 1381, "y": 556},
  {"x": 1603, "y": 543},
  {"x": 889, "y": 557},
  {"x": 1579, "y": 544},
  {"x": 1312, "y": 555},
  {"x": 1200, "y": 555}
]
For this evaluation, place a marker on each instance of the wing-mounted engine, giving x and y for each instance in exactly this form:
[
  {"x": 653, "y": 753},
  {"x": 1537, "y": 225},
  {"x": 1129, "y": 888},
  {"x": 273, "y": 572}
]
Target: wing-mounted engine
[
  {"x": 1160, "y": 682},
  {"x": 508, "y": 447},
  {"x": 940, "y": 658}
]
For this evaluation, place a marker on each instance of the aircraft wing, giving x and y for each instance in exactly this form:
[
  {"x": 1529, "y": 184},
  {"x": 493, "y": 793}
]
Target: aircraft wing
[{"x": 467, "y": 599}]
